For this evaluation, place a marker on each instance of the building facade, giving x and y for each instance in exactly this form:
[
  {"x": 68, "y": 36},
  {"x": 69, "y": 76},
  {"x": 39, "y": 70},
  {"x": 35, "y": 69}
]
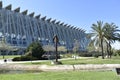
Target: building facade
[{"x": 20, "y": 29}]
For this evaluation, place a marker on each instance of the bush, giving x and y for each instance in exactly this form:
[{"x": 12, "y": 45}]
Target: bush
[
  {"x": 35, "y": 49},
  {"x": 24, "y": 58},
  {"x": 27, "y": 58},
  {"x": 86, "y": 54},
  {"x": 16, "y": 59},
  {"x": 96, "y": 55},
  {"x": 90, "y": 54},
  {"x": 117, "y": 53}
]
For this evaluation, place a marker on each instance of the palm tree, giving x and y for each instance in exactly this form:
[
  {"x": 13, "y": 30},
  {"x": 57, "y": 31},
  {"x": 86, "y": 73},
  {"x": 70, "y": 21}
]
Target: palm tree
[
  {"x": 111, "y": 34},
  {"x": 98, "y": 34}
]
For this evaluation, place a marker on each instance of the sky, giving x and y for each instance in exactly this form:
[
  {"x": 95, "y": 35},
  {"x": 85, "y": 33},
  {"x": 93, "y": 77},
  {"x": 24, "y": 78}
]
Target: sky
[{"x": 78, "y": 13}]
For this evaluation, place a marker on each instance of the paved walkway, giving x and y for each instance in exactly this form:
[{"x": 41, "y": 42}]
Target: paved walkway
[
  {"x": 10, "y": 65},
  {"x": 59, "y": 67}
]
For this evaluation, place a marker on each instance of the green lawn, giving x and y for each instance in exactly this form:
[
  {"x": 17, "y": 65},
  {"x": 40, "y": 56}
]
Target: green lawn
[
  {"x": 9, "y": 56},
  {"x": 92, "y": 61},
  {"x": 68, "y": 75},
  {"x": 65, "y": 75},
  {"x": 114, "y": 60}
]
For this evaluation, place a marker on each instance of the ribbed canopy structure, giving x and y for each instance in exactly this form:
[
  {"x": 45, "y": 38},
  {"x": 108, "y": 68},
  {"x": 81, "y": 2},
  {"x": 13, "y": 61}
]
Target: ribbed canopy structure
[{"x": 22, "y": 28}]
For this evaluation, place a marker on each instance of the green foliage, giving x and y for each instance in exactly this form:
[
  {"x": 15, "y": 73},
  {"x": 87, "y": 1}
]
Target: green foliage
[
  {"x": 104, "y": 35},
  {"x": 90, "y": 54},
  {"x": 98, "y": 33},
  {"x": 96, "y": 55},
  {"x": 35, "y": 50},
  {"x": 16, "y": 59},
  {"x": 85, "y": 54},
  {"x": 117, "y": 53},
  {"x": 24, "y": 58}
]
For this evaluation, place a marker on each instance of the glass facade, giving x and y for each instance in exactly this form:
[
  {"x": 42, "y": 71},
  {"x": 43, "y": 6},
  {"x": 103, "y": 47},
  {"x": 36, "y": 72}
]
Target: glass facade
[{"x": 20, "y": 29}]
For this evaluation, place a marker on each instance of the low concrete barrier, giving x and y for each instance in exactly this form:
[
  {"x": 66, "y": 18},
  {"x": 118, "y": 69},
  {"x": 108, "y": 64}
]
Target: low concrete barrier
[
  {"x": 96, "y": 66},
  {"x": 59, "y": 67}
]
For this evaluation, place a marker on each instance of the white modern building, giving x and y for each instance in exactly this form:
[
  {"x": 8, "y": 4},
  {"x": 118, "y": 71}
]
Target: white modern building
[{"x": 20, "y": 29}]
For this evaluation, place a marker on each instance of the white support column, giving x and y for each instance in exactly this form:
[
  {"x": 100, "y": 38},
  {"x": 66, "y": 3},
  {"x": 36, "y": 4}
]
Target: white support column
[
  {"x": 42, "y": 29},
  {"x": 39, "y": 29},
  {"x": 48, "y": 25}
]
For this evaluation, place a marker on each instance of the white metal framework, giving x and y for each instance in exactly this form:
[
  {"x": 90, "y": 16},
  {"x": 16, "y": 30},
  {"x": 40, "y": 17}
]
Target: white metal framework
[{"x": 20, "y": 29}]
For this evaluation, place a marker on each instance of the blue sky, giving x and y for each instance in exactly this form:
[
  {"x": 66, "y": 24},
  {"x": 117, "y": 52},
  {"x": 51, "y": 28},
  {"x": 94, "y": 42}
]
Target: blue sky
[{"x": 80, "y": 13}]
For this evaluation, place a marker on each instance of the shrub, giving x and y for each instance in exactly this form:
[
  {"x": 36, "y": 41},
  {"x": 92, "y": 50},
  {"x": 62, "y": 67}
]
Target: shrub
[
  {"x": 90, "y": 54},
  {"x": 85, "y": 54},
  {"x": 16, "y": 59},
  {"x": 27, "y": 58},
  {"x": 118, "y": 52},
  {"x": 35, "y": 50},
  {"x": 24, "y": 58},
  {"x": 96, "y": 55}
]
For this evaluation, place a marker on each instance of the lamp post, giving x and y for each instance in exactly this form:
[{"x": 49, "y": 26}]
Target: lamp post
[{"x": 56, "y": 40}]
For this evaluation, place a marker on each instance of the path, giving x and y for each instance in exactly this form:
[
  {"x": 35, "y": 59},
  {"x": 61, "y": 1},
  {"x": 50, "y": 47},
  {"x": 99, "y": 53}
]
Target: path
[{"x": 59, "y": 67}]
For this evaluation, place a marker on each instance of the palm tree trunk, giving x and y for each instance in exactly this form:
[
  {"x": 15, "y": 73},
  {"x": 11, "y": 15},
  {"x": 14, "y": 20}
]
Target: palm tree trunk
[
  {"x": 107, "y": 50},
  {"x": 102, "y": 48},
  {"x": 110, "y": 52}
]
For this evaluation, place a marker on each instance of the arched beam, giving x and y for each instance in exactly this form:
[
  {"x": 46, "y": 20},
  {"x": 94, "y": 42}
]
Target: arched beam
[
  {"x": 62, "y": 23},
  {"x": 53, "y": 21},
  {"x": 72, "y": 27},
  {"x": 68, "y": 26},
  {"x": 37, "y": 17},
  {"x": 24, "y": 12},
  {"x": 9, "y": 7},
  {"x": 58, "y": 22},
  {"x": 17, "y": 9},
  {"x": 43, "y": 18},
  {"x": 31, "y": 14},
  {"x": 49, "y": 19},
  {"x": 0, "y": 4},
  {"x": 65, "y": 24}
]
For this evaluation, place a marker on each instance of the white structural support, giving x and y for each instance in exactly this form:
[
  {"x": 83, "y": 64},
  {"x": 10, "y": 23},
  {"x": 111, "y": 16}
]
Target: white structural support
[{"x": 20, "y": 29}]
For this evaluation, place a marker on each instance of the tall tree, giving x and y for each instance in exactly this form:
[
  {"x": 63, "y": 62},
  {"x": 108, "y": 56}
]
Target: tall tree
[
  {"x": 98, "y": 34},
  {"x": 111, "y": 34}
]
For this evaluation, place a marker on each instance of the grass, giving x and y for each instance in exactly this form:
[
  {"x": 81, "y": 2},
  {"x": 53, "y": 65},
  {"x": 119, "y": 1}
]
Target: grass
[
  {"x": 9, "y": 56},
  {"x": 92, "y": 61},
  {"x": 114, "y": 60},
  {"x": 68, "y": 75},
  {"x": 65, "y": 75}
]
